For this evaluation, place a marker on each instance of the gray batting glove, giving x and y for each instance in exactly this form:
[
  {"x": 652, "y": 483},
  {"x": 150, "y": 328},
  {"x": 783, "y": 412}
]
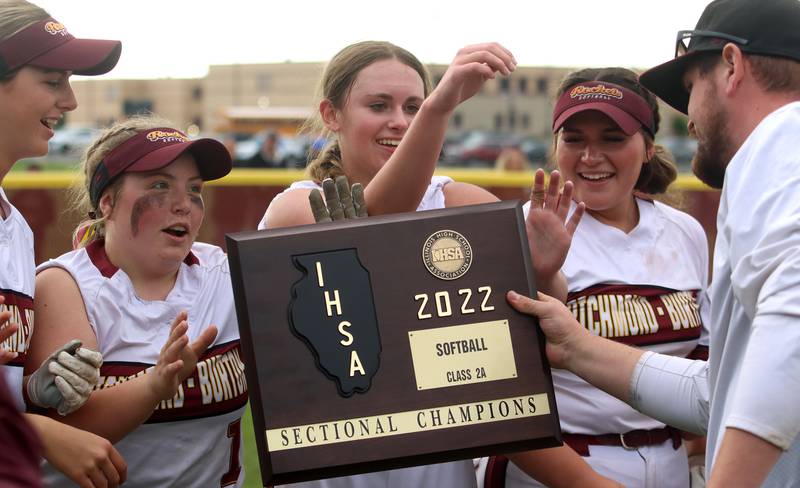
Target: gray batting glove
[
  {"x": 66, "y": 378},
  {"x": 341, "y": 201}
]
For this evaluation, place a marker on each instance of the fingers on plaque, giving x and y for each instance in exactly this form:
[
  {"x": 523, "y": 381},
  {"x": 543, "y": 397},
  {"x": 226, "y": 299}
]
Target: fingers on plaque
[
  {"x": 358, "y": 200},
  {"x": 345, "y": 198},
  {"x": 318, "y": 207},
  {"x": 332, "y": 199}
]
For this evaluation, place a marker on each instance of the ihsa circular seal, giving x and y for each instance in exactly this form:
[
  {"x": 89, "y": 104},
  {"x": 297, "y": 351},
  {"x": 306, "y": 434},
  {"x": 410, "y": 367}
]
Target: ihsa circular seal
[{"x": 447, "y": 254}]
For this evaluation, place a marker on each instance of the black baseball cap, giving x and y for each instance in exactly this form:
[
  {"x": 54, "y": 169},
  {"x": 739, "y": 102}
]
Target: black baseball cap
[{"x": 766, "y": 27}]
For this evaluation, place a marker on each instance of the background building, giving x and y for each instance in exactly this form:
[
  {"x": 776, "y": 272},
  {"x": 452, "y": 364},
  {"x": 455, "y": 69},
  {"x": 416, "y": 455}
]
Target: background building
[{"x": 247, "y": 99}]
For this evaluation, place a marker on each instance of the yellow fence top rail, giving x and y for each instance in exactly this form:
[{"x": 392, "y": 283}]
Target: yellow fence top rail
[{"x": 278, "y": 177}]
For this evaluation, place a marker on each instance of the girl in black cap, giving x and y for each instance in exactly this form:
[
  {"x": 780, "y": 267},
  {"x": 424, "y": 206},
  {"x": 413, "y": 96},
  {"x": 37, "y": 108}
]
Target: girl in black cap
[{"x": 37, "y": 57}]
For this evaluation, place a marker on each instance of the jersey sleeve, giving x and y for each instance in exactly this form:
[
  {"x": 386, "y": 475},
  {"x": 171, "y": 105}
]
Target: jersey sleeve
[{"x": 766, "y": 281}]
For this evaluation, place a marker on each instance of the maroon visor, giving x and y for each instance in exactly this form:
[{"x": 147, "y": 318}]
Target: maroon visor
[
  {"x": 625, "y": 107},
  {"x": 154, "y": 149},
  {"x": 47, "y": 44}
]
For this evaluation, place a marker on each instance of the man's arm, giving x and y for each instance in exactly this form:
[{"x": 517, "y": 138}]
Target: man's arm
[
  {"x": 605, "y": 364},
  {"x": 670, "y": 389},
  {"x": 734, "y": 468}
]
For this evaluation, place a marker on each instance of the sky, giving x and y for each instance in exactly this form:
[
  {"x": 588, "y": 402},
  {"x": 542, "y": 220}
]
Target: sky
[{"x": 181, "y": 38}]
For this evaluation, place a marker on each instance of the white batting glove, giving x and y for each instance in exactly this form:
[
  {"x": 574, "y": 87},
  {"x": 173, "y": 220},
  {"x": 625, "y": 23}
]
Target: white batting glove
[{"x": 66, "y": 378}]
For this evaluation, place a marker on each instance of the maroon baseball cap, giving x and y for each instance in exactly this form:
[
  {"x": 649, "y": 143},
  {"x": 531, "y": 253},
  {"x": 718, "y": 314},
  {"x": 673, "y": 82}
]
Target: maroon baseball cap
[
  {"x": 154, "y": 149},
  {"x": 625, "y": 107},
  {"x": 47, "y": 44}
]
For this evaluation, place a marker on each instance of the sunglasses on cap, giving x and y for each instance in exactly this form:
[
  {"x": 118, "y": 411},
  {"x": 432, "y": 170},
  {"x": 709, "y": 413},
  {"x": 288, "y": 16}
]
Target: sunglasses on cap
[{"x": 685, "y": 38}]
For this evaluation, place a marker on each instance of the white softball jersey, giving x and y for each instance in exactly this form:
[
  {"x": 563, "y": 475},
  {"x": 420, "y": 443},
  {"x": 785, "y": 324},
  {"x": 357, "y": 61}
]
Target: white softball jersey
[
  {"x": 459, "y": 474},
  {"x": 17, "y": 283},
  {"x": 194, "y": 439},
  {"x": 645, "y": 288}
]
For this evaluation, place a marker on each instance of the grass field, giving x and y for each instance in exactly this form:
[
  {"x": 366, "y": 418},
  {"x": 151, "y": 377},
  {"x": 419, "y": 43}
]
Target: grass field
[{"x": 252, "y": 472}]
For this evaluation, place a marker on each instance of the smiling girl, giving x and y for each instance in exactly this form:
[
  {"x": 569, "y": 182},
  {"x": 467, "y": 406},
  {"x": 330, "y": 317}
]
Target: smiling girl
[
  {"x": 37, "y": 58},
  {"x": 142, "y": 291},
  {"x": 387, "y": 127},
  {"x": 637, "y": 273}
]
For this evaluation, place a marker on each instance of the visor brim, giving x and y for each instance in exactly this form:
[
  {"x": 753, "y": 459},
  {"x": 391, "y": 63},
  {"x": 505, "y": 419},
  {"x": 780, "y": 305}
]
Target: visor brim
[
  {"x": 87, "y": 57},
  {"x": 627, "y": 122},
  {"x": 211, "y": 156}
]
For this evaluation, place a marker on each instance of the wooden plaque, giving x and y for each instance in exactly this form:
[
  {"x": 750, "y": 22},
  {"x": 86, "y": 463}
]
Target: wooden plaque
[{"x": 387, "y": 342}]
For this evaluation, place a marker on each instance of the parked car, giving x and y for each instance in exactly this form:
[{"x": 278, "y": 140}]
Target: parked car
[
  {"x": 71, "y": 141},
  {"x": 290, "y": 152},
  {"x": 682, "y": 149},
  {"x": 478, "y": 149},
  {"x": 535, "y": 150}
]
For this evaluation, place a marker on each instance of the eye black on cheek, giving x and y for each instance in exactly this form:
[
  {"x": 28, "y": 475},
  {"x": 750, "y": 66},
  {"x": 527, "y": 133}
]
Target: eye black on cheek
[
  {"x": 143, "y": 204},
  {"x": 197, "y": 201}
]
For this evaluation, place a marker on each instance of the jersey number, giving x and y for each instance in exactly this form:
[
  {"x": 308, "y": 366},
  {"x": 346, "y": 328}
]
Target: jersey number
[{"x": 235, "y": 435}]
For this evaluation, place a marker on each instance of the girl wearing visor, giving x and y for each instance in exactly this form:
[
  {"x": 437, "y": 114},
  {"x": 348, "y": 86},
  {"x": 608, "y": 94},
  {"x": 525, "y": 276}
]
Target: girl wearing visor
[
  {"x": 37, "y": 57},
  {"x": 156, "y": 304},
  {"x": 387, "y": 128},
  {"x": 637, "y": 272}
]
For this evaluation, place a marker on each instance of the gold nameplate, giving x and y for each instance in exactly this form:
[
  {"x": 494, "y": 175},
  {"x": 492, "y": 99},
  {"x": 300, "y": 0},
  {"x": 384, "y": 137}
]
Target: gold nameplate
[
  {"x": 462, "y": 354},
  {"x": 410, "y": 422}
]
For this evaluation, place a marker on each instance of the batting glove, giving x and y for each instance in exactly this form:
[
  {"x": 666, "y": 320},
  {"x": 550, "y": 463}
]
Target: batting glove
[
  {"x": 66, "y": 378},
  {"x": 341, "y": 201}
]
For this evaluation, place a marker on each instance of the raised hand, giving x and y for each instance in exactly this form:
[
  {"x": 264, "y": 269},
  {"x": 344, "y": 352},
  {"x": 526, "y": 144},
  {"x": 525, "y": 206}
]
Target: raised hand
[
  {"x": 178, "y": 357},
  {"x": 468, "y": 71},
  {"x": 341, "y": 201},
  {"x": 549, "y": 231}
]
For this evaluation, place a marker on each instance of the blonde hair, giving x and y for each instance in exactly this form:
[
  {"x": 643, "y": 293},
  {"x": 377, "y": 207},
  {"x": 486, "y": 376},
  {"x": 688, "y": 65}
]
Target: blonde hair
[
  {"x": 335, "y": 85},
  {"x": 16, "y": 15},
  {"x": 94, "y": 227}
]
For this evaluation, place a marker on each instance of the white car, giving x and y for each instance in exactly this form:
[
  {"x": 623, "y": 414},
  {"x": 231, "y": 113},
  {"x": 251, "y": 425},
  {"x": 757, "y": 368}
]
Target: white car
[{"x": 71, "y": 141}]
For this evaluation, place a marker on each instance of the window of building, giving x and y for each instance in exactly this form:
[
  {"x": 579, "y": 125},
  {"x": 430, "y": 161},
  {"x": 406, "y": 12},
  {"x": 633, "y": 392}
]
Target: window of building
[
  {"x": 263, "y": 82},
  {"x": 197, "y": 93},
  {"x": 504, "y": 85},
  {"x": 541, "y": 86},
  {"x": 523, "y": 85},
  {"x": 526, "y": 121},
  {"x": 498, "y": 121},
  {"x": 137, "y": 107},
  {"x": 112, "y": 92},
  {"x": 512, "y": 119}
]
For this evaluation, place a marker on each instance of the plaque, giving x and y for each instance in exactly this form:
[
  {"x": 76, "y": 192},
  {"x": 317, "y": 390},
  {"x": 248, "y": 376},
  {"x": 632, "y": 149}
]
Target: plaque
[{"x": 387, "y": 342}]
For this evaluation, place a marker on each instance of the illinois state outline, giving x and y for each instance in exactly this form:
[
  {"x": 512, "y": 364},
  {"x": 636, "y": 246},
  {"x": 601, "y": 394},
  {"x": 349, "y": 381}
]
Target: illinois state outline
[{"x": 333, "y": 312}]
